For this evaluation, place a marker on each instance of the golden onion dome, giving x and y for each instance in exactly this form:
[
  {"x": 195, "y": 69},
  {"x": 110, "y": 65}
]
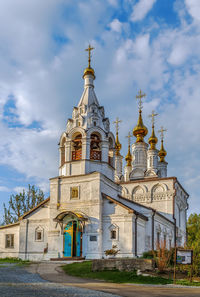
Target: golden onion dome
[
  {"x": 128, "y": 157},
  {"x": 118, "y": 145},
  {"x": 140, "y": 131},
  {"x": 153, "y": 140},
  {"x": 162, "y": 152},
  {"x": 89, "y": 71}
]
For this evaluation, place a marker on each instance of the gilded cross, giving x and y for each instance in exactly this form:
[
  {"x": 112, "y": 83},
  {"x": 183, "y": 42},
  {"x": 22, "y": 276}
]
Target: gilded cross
[
  {"x": 117, "y": 121},
  {"x": 139, "y": 97},
  {"x": 89, "y": 49},
  {"x": 161, "y": 131},
  {"x": 152, "y": 116},
  {"x": 129, "y": 138}
]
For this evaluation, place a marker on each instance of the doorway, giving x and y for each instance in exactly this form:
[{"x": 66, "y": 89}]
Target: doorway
[{"x": 73, "y": 239}]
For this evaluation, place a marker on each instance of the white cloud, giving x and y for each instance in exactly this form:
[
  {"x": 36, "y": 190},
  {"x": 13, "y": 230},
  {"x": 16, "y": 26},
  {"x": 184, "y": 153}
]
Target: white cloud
[
  {"x": 193, "y": 7},
  {"x": 116, "y": 25},
  {"x": 141, "y": 9},
  {"x": 4, "y": 189},
  {"x": 19, "y": 189}
]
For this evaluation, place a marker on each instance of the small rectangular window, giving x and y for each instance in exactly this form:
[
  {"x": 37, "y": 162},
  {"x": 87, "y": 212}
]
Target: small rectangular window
[
  {"x": 93, "y": 238},
  {"x": 9, "y": 241},
  {"x": 38, "y": 235},
  {"x": 113, "y": 234}
]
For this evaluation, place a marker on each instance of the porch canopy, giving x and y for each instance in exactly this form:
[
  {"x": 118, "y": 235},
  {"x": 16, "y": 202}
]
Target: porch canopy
[{"x": 74, "y": 215}]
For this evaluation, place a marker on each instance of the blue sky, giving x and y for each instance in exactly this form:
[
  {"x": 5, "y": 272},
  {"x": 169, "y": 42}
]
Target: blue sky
[{"x": 148, "y": 44}]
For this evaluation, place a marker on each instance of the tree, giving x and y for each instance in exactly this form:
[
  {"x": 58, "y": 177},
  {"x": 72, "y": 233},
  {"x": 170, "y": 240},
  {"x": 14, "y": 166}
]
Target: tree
[
  {"x": 21, "y": 203},
  {"x": 193, "y": 242}
]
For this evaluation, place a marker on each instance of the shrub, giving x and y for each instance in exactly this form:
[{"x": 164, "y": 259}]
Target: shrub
[
  {"x": 162, "y": 257},
  {"x": 112, "y": 252},
  {"x": 148, "y": 255}
]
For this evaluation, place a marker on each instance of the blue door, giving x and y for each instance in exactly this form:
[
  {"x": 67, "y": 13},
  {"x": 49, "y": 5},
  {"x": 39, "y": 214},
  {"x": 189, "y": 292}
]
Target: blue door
[
  {"x": 78, "y": 241},
  {"x": 68, "y": 237}
]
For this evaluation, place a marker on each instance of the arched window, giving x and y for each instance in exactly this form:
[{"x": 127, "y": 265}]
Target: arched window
[
  {"x": 39, "y": 234},
  {"x": 77, "y": 147},
  {"x": 62, "y": 152},
  {"x": 95, "y": 147}
]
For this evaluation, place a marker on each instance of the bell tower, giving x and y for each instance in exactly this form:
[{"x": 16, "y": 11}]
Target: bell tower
[{"x": 87, "y": 145}]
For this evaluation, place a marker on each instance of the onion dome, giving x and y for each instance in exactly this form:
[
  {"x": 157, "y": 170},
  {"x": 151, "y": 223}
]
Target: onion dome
[
  {"x": 128, "y": 157},
  {"x": 118, "y": 145},
  {"x": 89, "y": 71},
  {"x": 153, "y": 140},
  {"x": 162, "y": 152},
  {"x": 140, "y": 131}
]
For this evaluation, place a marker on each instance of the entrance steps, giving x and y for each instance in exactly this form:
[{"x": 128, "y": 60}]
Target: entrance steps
[{"x": 68, "y": 259}]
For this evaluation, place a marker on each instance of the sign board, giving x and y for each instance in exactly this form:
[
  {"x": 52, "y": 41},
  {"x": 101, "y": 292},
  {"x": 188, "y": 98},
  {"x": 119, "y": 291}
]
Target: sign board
[{"x": 184, "y": 257}]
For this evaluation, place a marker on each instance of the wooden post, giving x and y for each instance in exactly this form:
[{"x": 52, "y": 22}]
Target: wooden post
[{"x": 175, "y": 265}]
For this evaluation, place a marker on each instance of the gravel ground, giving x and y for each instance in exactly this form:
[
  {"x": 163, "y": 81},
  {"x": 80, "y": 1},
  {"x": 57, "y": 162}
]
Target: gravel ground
[{"x": 17, "y": 282}]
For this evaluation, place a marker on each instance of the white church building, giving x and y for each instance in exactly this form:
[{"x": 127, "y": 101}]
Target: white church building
[{"x": 95, "y": 204}]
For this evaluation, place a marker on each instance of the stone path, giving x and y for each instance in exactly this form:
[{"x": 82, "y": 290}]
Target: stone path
[
  {"x": 17, "y": 281},
  {"x": 53, "y": 272}
]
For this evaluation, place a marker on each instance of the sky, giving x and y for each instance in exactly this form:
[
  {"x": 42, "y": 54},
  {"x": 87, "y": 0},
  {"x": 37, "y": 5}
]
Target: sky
[{"x": 152, "y": 45}]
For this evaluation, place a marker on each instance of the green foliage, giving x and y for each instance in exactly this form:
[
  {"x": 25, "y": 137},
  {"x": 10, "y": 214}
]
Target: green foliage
[
  {"x": 21, "y": 203},
  {"x": 13, "y": 260},
  {"x": 193, "y": 230},
  {"x": 148, "y": 255},
  {"x": 84, "y": 270}
]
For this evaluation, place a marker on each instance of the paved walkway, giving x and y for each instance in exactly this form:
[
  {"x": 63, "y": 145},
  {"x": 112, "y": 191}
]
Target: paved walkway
[
  {"x": 52, "y": 272},
  {"x": 16, "y": 281}
]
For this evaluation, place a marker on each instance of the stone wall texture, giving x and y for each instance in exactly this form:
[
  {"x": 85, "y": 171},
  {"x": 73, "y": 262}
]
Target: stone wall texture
[{"x": 123, "y": 264}]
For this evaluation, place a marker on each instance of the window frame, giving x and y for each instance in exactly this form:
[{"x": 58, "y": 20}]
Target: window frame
[
  {"x": 39, "y": 229},
  {"x": 11, "y": 241}
]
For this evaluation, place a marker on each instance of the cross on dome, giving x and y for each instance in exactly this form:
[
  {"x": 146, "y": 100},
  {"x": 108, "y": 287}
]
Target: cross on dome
[
  {"x": 129, "y": 138},
  {"x": 161, "y": 131},
  {"x": 152, "y": 116},
  {"x": 89, "y": 49},
  {"x": 139, "y": 97},
  {"x": 117, "y": 121}
]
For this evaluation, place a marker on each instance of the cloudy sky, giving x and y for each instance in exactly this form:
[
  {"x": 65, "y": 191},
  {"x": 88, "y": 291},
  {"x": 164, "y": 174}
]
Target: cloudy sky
[{"x": 148, "y": 44}]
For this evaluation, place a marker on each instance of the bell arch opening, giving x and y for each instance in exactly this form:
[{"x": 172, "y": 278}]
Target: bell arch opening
[
  {"x": 95, "y": 147},
  {"x": 77, "y": 147}
]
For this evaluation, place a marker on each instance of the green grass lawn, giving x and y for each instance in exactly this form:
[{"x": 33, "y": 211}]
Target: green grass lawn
[
  {"x": 14, "y": 261},
  {"x": 84, "y": 270}
]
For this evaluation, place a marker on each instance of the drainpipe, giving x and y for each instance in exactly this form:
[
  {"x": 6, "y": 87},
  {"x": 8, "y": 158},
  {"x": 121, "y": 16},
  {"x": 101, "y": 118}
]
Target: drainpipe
[
  {"x": 58, "y": 193},
  {"x": 174, "y": 213},
  {"x": 26, "y": 242},
  {"x": 152, "y": 235},
  {"x": 100, "y": 245},
  {"x": 136, "y": 217},
  {"x": 186, "y": 239}
]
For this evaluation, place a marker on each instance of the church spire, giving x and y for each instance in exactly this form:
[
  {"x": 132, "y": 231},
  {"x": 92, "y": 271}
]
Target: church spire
[
  {"x": 118, "y": 145},
  {"x": 162, "y": 152},
  {"x": 128, "y": 157},
  {"x": 88, "y": 97},
  {"x": 140, "y": 131},
  {"x": 153, "y": 139},
  {"x": 89, "y": 69}
]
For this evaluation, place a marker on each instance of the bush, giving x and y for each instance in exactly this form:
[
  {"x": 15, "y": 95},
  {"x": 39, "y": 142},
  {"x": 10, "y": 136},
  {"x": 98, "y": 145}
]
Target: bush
[
  {"x": 162, "y": 256},
  {"x": 148, "y": 255}
]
